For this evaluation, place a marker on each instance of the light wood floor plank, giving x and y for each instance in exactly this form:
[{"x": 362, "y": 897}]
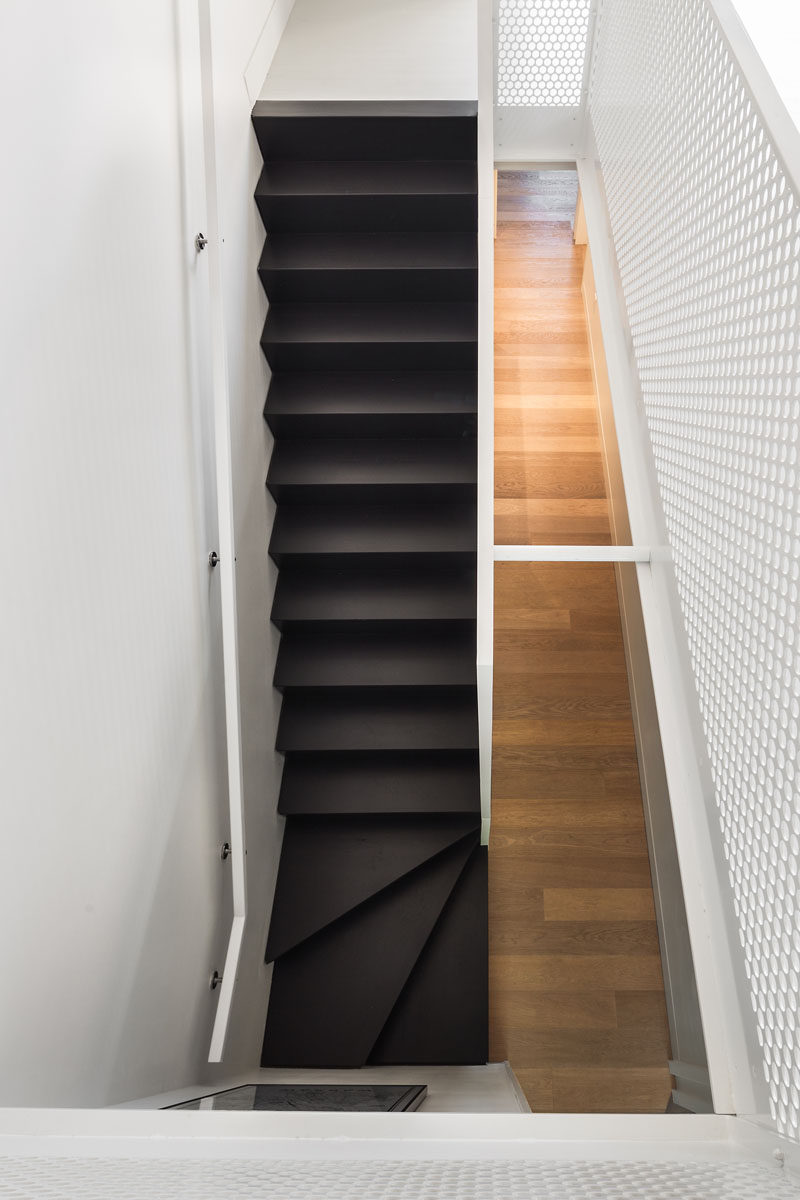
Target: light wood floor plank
[{"x": 576, "y": 993}]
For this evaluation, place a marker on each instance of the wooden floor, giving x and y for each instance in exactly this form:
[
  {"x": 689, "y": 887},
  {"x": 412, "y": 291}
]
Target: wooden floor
[{"x": 576, "y": 994}]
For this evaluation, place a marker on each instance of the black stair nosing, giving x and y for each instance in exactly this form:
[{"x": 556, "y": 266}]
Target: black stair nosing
[
  {"x": 375, "y": 424},
  {"x": 328, "y": 867},
  {"x": 403, "y": 656},
  {"x": 414, "y": 782},
  {"x": 381, "y": 532},
  {"x": 378, "y": 718},
  {"x": 331, "y": 995},
  {"x": 336, "y": 109},
  {"x": 316, "y": 594},
  {"x": 373, "y": 179},
  {"x": 372, "y": 463},
  {"x": 442, "y": 1014}
]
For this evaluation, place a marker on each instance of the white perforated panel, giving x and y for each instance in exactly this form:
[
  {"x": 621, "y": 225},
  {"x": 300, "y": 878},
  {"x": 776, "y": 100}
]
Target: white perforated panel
[
  {"x": 181, "y": 1179},
  {"x": 707, "y": 234},
  {"x": 541, "y": 51}
]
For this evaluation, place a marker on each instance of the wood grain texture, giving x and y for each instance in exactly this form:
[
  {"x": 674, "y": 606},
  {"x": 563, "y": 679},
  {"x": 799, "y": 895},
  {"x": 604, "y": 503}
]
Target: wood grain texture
[
  {"x": 545, "y": 448},
  {"x": 576, "y": 992}
]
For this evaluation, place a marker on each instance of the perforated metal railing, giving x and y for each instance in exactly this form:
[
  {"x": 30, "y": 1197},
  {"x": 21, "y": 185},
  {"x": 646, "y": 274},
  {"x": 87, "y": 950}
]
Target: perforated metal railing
[
  {"x": 541, "y": 51},
  {"x": 706, "y": 226},
  {"x": 232, "y": 1179}
]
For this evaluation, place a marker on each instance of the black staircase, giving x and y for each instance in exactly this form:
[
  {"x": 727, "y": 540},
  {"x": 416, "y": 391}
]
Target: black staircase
[{"x": 378, "y": 929}]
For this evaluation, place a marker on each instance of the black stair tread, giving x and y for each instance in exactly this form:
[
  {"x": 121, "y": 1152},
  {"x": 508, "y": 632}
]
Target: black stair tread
[
  {"x": 355, "y": 529},
  {"x": 368, "y": 178},
  {"x": 369, "y": 252},
  {"x": 380, "y": 322},
  {"x": 380, "y": 783},
  {"x": 401, "y": 657},
  {"x": 329, "y": 865},
  {"x": 385, "y": 718},
  {"x": 369, "y": 594},
  {"x": 368, "y": 392},
  {"x": 331, "y": 995},
  {"x": 373, "y": 462},
  {"x": 442, "y": 1014}
]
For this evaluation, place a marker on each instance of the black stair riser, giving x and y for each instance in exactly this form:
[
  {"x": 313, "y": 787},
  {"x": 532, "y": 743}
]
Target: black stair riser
[
  {"x": 385, "y": 783},
  {"x": 382, "y": 284},
  {"x": 377, "y": 719},
  {"x": 309, "y": 134},
  {"x": 375, "y": 597},
  {"x": 366, "y": 214},
  {"x": 359, "y": 534}
]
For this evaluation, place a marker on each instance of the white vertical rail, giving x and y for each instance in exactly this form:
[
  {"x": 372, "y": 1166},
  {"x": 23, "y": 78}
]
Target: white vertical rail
[
  {"x": 485, "y": 637},
  {"x": 227, "y": 553}
]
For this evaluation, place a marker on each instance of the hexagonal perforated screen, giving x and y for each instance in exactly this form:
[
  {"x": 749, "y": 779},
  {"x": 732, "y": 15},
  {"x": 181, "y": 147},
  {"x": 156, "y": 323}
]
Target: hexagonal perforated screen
[{"x": 541, "y": 51}]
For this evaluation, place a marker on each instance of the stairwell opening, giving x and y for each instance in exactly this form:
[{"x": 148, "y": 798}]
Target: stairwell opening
[{"x": 592, "y": 992}]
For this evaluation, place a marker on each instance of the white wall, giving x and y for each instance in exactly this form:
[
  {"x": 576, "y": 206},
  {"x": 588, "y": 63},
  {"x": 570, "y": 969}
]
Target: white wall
[
  {"x": 377, "y": 50},
  {"x": 113, "y": 777},
  {"x": 115, "y": 904}
]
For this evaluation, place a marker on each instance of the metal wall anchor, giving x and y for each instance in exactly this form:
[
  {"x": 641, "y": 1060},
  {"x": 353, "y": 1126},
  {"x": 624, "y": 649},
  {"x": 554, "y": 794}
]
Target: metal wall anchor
[
  {"x": 200, "y": 242},
  {"x": 225, "y": 852},
  {"x": 213, "y": 559},
  {"x": 215, "y": 981}
]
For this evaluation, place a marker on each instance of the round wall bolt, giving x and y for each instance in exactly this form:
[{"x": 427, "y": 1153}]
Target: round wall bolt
[
  {"x": 215, "y": 981},
  {"x": 200, "y": 242},
  {"x": 213, "y": 559},
  {"x": 225, "y": 852}
]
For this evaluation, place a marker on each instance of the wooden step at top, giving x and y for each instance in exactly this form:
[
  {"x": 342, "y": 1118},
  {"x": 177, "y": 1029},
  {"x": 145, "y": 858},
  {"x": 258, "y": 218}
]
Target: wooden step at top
[
  {"x": 403, "y": 656},
  {"x": 331, "y": 995},
  {"x": 329, "y": 865},
  {"x": 378, "y": 719},
  {"x": 411, "y": 782},
  {"x": 306, "y": 596}
]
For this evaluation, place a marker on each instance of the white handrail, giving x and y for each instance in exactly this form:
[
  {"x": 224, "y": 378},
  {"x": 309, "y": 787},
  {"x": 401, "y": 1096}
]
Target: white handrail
[{"x": 227, "y": 552}]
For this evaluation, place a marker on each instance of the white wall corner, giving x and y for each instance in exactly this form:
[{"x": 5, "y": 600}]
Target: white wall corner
[{"x": 261, "y": 59}]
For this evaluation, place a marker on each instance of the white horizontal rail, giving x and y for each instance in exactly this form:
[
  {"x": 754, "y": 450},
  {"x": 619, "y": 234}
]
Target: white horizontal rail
[{"x": 608, "y": 554}]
